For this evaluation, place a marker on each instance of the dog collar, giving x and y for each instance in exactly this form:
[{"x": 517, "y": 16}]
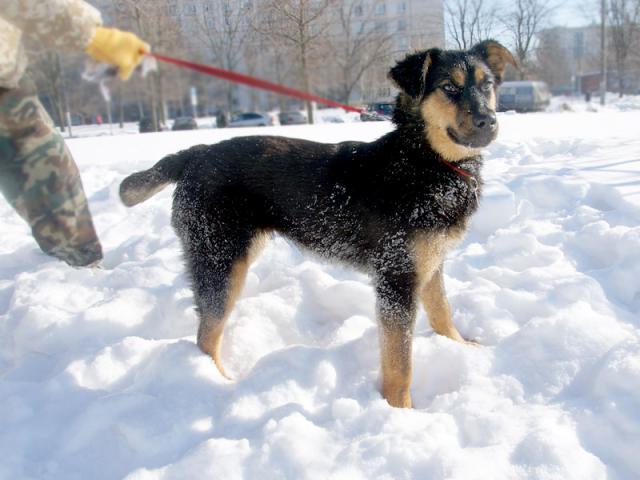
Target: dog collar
[
  {"x": 473, "y": 183},
  {"x": 460, "y": 171}
]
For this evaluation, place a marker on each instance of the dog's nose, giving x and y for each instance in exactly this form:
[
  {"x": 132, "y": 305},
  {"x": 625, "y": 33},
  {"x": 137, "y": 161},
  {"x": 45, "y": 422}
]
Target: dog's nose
[{"x": 485, "y": 121}]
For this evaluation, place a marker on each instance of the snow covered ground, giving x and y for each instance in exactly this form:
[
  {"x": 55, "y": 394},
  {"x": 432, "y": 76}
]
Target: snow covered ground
[{"x": 100, "y": 377}]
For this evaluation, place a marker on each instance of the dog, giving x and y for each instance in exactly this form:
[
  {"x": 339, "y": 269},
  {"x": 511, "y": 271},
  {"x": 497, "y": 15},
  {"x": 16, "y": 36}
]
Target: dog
[{"x": 391, "y": 208}]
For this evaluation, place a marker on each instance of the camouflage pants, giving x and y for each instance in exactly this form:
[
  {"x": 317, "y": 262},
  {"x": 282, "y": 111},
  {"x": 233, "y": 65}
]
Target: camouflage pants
[{"x": 41, "y": 181}]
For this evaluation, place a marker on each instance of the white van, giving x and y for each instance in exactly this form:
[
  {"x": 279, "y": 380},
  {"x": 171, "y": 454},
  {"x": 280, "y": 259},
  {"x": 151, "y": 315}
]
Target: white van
[{"x": 523, "y": 96}]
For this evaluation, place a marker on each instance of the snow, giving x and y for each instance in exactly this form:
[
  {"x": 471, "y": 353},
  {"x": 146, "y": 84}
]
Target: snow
[{"x": 100, "y": 376}]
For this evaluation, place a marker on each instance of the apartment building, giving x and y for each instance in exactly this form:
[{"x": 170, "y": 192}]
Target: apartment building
[
  {"x": 566, "y": 54},
  {"x": 570, "y": 61}
]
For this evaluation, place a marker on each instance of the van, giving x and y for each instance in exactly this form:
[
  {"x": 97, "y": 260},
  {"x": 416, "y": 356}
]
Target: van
[{"x": 523, "y": 96}]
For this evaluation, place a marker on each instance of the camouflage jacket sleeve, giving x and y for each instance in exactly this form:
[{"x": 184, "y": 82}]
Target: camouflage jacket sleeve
[{"x": 61, "y": 24}]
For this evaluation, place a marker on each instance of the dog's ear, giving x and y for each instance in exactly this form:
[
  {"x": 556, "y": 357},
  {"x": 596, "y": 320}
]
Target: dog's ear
[
  {"x": 495, "y": 56},
  {"x": 410, "y": 74}
]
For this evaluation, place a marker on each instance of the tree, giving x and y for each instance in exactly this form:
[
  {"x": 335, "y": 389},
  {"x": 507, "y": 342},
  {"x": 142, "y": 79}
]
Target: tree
[
  {"x": 552, "y": 58},
  {"x": 623, "y": 29},
  {"x": 300, "y": 24},
  {"x": 523, "y": 23},
  {"x": 275, "y": 60},
  {"x": 470, "y": 21},
  {"x": 358, "y": 44},
  {"x": 225, "y": 28},
  {"x": 48, "y": 73},
  {"x": 155, "y": 22}
]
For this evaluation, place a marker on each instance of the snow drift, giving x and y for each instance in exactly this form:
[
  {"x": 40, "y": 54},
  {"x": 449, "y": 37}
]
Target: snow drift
[{"x": 100, "y": 376}]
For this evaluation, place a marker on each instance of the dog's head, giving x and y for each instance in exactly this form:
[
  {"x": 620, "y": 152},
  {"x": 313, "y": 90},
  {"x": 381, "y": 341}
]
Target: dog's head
[{"x": 453, "y": 93}]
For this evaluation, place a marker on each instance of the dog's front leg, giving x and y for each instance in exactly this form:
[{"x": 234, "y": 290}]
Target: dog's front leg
[
  {"x": 434, "y": 300},
  {"x": 396, "y": 318}
]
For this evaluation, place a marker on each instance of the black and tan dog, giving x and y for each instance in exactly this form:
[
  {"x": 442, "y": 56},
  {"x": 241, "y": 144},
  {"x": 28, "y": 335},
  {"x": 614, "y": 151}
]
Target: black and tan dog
[{"x": 392, "y": 207}]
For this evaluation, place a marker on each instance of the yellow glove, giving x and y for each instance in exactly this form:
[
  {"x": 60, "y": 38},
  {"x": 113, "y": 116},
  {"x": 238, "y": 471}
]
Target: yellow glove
[{"x": 115, "y": 47}]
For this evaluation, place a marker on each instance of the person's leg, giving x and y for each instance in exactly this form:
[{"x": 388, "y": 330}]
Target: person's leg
[{"x": 39, "y": 178}]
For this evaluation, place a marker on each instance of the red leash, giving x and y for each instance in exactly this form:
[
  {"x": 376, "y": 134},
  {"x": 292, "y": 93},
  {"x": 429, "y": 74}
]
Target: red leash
[{"x": 252, "y": 82}]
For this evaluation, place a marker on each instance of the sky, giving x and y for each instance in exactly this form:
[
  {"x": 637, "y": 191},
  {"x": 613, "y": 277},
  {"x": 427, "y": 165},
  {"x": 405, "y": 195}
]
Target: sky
[
  {"x": 574, "y": 13},
  {"x": 570, "y": 13}
]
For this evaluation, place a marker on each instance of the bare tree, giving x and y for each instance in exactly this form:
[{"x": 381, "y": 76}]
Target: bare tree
[
  {"x": 358, "y": 43},
  {"x": 155, "y": 21},
  {"x": 470, "y": 21},
  {"x": 48, "y": 73},
  {"x": 274, "y": 60},
  {"x": 300, "y": 24},
  {"x": 225, "y": 28},
  {"x": 552, "y": 58},
  {"x": 623, "y": 30},
  {"x": 523, "y": 23}
]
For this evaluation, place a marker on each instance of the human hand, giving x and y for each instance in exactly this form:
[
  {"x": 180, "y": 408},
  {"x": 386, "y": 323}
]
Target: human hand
[{"x": 115, "y": 47}]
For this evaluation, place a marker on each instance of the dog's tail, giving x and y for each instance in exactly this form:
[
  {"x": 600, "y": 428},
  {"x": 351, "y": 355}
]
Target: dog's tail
[{"x": 140, "y": 186}]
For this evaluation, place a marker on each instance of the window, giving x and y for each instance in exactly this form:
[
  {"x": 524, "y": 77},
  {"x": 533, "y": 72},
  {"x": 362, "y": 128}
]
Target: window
[
  {"x": 357, "y": 11},
  {"x": 381, "y": 9},
  {"x": 189, "y": 9},
  {"x": 380, "y": 26},
  {"x": 402, "y": 7},
  {"x": 402, "y": 25}
]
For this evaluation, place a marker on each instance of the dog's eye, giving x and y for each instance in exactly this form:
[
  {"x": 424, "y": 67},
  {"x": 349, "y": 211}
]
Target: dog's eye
[{"x": 451, "y": 88}]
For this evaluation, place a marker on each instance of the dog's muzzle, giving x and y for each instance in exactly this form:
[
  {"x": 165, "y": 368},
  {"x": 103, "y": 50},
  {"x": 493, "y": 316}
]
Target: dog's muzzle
[{"x": 481, "y": 132}]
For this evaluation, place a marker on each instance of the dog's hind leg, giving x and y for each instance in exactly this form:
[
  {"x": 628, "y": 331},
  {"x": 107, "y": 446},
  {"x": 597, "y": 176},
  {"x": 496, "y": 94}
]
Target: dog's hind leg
[
  {"x": 396, "y": 317},
  {"x": 217, "y": 292},
  {"x": 218, "y": 258},
  {"x": 216, "y": 296},
  {"x": 437, "y": 307}
]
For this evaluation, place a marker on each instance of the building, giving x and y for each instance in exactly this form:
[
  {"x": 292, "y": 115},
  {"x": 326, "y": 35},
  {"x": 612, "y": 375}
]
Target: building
[
  {"x": 567, "y": 54},
  {"x": 569, "y": 60}
]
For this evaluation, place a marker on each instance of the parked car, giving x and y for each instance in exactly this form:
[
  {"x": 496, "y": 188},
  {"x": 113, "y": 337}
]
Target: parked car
[
  {"x": 145, "y": 125},
  {"x": 77, "y": 120},
  {"x": 377, "y": 112},
  {"x": 251, "y": 119},
  {"x": 292, "y": 118},
  {"x": 523, "y": 96},
  {"x": 185, "y": 123}
]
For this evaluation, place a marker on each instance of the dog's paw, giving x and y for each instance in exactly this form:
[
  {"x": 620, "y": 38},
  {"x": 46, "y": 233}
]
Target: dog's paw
[
  {"x": 401, "y": 403},
  {"x": 471, "y": 342},
  {"x": 222, "y": 371},
  {"x": 398, "y": 398}
]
